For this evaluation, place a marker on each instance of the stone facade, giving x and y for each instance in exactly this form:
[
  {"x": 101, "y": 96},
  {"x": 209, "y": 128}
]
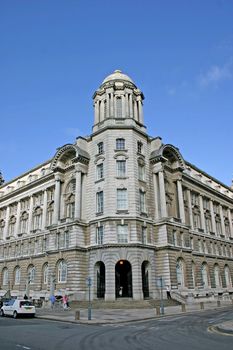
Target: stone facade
[{"x": 118, "y": 206}]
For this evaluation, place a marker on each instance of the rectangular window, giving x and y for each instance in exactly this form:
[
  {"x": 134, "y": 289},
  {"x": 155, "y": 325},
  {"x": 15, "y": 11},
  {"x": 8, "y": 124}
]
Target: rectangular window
[
  {"x": 141, "y": 172},
  {"x": 100, "y": 147},
  {"x": 118, "y": 107},
  {"x": 142, "y": 201},
  {"x": 144, "y": 235},
  {"x": 174, "y": 240},
  {"x": 122, "y": 199},
  {"x": 99, "y": 235},
  {"x": 139, "y": 147},
  {"x": 120, "y": 144},
  {"x": 121, "y": 168},
  {"x": 100, "y": 171},
  {"x": 100, "y": 202},
  {"x": 122, "y": 233}
]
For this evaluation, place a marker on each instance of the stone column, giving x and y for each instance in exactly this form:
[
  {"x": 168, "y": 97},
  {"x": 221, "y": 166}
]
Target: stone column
[
  {"x": 101, "y": 110},
  {"x": 123, "y": 107},
  {"x": 107, "y": 101},
  {"x": 96, "y": 112},
  {"x": 140, "y": 112},
  {"x": 127, "y": 105},
  {"x": 110, "y": 293},
  {"x": 190, "y": 208},
  {"x": 5, "y": 232},
  {"x": 213, "y": 222},
  {"x": 44, "y": 214},
  {"x": 135, "y": 110},
  {"x": 130, "y": 106},
  {"x": 30, "y": 214},
  {"x": 57, "y": 199},
  {"x": 111, "y": 105},
  {"x": 156, "y": 199},
  {"x": 202, "y": 212},
  {"x": 137, "y": 282},
  {"x": 78, "y": 195},
  {"x": 180, "y": 201},
  {"x": 222, "y": 220},
  {"x": 230, "y": 222},
  {"x": 162, "y": 195},
  {"x": 17, "y": 225}
]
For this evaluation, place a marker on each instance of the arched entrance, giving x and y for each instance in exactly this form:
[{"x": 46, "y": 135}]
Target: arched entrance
[
  {"x": 123, "y": 276},
  {"x": 145, "y": 279},
  {"x": 100, "y": 279}
]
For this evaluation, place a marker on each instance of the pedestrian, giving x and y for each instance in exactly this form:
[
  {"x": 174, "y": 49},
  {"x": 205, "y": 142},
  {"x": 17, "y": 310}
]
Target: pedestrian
[
  {"x": 168, "y": 293},
  {"x": 52, "y": 300},
  {"x": 65, "y": 302}
]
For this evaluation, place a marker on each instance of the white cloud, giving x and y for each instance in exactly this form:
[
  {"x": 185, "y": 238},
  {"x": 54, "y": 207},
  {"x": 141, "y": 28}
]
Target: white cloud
[{"x": 216, "y": 74}]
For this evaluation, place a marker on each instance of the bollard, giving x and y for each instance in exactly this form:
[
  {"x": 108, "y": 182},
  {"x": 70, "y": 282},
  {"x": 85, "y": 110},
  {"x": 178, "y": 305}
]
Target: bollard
[
  {"x": 201, "y": 305},
  {"x": 218, "y": 303},
  {"x": 183, "y": 307},
  {"x": 157, "y": 309},
  {"x": 77, "y": 315}
]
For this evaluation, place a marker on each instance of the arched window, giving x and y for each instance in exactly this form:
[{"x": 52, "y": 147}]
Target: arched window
[
  {"x": 31, "y": 274},
  {"x": 17, "y": 275},
  {"x": 12, "y": 223},
  {"x": 227, "y": 276},
  {"x": 180, "y": 272},
  {"x": 118, "y": 107},
  {"x": 45, "y": 274},
  {"x": 5, "y": 278},
  {"x": 217, "y": 276},
  {"x": 2, "y": 225},
  {"x": 50, "y": 210},
  {"x": 24, "y": 222},
  {"x": 204, "y": 275},
  {"x": 37, "y": 218},
  {"x": 62, "y": 271},
  {"x": 70, "y": 199}
]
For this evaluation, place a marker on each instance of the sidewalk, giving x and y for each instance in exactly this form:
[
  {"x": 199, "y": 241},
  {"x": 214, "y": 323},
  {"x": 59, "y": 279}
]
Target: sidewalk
[{"x": 113, "y": 316}]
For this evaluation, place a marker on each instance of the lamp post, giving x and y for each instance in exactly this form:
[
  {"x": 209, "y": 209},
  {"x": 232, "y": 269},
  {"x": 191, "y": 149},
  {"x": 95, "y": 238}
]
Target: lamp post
[{"x": 89, "y": 283}]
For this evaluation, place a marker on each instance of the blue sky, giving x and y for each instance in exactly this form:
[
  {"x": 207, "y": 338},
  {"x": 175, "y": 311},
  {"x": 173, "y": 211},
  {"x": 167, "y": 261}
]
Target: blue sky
[{"x": 55, "y": 54}]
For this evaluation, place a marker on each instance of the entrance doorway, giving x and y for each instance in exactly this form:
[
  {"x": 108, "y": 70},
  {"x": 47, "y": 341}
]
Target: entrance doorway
[
  {"x": 100, "y": 279},
  {"x": 145, "y": 279},
  {"x": 123, "y": 276}
]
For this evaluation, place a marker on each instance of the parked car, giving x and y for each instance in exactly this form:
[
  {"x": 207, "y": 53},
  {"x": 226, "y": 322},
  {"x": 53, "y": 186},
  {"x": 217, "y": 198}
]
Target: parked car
[{"x": 16, "y": 307}]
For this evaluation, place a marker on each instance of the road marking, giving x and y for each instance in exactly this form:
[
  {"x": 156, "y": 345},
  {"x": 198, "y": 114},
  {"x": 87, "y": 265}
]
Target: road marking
[{"x": 23, "y": 347}]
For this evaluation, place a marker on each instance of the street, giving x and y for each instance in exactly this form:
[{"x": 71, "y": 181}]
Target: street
[{"x": 180, "y": 331}]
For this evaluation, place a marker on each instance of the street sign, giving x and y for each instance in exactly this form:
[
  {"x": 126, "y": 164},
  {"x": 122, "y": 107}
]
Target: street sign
[{"x": 89, "y": 281}]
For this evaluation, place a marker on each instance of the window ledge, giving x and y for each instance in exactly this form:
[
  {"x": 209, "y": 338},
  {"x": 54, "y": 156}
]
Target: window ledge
[
  {"x": 99, "y": 180},
  {"x": 121, "y": 177},
  {"x": 120, "y": 150},
  {"x": 122, "y": 211},
  {"x": 99, "y": 214}
]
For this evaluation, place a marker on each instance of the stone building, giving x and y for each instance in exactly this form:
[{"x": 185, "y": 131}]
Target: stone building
[{"x": 119, "y": 206}]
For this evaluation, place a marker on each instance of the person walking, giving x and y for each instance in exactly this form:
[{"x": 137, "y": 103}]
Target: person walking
[
  {"x": 65, "y": 302},
  {"x": 52, "y": 300}
]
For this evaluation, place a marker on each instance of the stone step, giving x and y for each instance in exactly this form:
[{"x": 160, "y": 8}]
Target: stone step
[{"x": 123, "y": 303}]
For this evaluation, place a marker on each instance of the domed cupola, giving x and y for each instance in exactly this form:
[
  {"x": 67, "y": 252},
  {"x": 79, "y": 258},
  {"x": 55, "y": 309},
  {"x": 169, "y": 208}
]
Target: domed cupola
[{"x": 118, "y": 101}]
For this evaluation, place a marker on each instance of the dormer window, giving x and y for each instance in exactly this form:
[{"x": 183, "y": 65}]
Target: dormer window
[
  {"x": 100, "y": 147},
  {"x": 120, "y": 144},
  {"x": 118, "y": 107}
]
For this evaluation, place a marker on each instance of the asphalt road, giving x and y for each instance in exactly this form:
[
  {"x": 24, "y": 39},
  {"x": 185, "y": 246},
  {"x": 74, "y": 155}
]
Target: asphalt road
[{"x": 177, "y": 332}]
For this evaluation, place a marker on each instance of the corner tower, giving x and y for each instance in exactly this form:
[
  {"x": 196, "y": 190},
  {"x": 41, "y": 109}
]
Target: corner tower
[{"x": 118, "y": 101}]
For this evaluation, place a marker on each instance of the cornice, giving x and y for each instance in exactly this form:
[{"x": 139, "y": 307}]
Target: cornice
[
  {"x": 206, "y": 187},
  {"x": 26, "y": 187}
]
